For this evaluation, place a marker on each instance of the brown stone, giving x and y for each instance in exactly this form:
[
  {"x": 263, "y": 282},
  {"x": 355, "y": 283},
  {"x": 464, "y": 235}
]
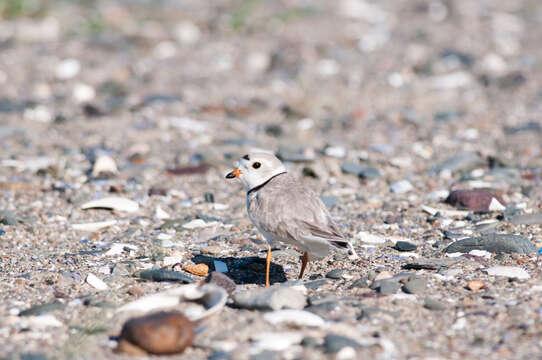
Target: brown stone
[
  {"x": 158, "y": 333},
  {"x": 221, "y": 280},
  {"x": 474, "y": 200}
]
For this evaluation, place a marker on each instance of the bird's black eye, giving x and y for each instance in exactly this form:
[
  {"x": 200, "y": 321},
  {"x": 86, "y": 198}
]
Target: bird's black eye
[{"x": 256, "y": 165}]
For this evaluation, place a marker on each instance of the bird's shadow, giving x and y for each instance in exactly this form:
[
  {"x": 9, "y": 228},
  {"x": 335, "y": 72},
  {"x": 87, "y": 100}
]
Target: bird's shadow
[{"x": 245, "y": 270}]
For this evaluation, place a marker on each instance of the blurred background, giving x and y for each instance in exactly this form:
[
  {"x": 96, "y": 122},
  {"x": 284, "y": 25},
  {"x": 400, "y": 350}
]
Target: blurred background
[{"x": 271, "y": 73}]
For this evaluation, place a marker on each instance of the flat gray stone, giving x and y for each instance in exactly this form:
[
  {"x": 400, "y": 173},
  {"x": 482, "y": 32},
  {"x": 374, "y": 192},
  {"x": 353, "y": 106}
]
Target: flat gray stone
[
  {"x": 271, "y": 298},
  {"x": 415, "y": 286},
  {"x": 432, "y": 304},
  {"x": 334, "y": 343},
  {"x": 494, "y": 243}
]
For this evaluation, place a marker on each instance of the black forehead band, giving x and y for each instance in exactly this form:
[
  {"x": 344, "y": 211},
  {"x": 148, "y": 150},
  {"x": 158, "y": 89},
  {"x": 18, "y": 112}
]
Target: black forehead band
[{"x": 246, "y": 157}]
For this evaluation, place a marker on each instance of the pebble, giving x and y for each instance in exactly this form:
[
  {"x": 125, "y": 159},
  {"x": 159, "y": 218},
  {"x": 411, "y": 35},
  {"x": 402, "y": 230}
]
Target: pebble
[
  {"x": 120, "y": 248},
  {"x": 493, "y": 243},
  {"x": 198, "y": 224},
  {"x": 333, "y": 343},
  {"x": 461, "y": 161},
  {"x": 165, "y": 275},
  {"x": 67, "y": 69},
  {"x": 276, "y": 341},
  {"x": 360, "y": 283},
  {"x": 294, "y": 317},
  {"x": 405, "y": 246},
  {"x": 315, "y": 284},
  {"x": 42, "y": 309},
  {"x": 476, "y": 200},
  {"x": 123, "y": 269},
  {"x": 271, "y": 298},
  {"x": 96, "y": 282},
  {"x": 369, "y": 238},
  {"x": 7, "y": 218},
  {"x": 401, "y": 187},
  {"x": 335, "y": 274},
  {"x": 187, "y": 32},
  {"x": 83, "y": 93},
  {"x": 508, "y": 271},
  {"x": 161, "y": 214},
  {"x": 360, "y": 170},
  {"x": 221, "y": 280},
  {"x": 219, "y": 355},
  {"x": 220, "y": 266},
  {"x": 388, "y": 286},
  {"x": 112, "y": 203},
  {"x": 475, "y": 285},
  {"x": 432, "y": 304},
  {"x": 159, "y": 333},
  {"x": 266, "y": 355},
  {"x": 415, "y": 286},
  {"x": 104, "y": 166}
]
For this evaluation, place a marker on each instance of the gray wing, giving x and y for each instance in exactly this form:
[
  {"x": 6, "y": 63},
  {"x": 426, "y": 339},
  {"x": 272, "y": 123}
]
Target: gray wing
[{"x": 296, "y": 215}]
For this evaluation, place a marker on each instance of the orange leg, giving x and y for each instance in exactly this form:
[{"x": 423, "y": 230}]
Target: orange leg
[
  {"x": 304, "y": 261},
  {"x": 268, "y": 264}
]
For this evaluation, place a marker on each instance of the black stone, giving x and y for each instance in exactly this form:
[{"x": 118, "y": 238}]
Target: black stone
[{"x": 405, "y": 246}]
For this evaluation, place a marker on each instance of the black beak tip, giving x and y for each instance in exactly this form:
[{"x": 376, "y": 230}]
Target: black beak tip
[{"x": 230, "y": 176}]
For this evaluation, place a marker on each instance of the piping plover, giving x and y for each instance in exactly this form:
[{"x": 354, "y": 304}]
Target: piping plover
[{"x": 284, "y": 210}]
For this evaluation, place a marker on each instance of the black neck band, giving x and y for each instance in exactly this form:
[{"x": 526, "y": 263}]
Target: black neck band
[{"x": 256, "y": 188}]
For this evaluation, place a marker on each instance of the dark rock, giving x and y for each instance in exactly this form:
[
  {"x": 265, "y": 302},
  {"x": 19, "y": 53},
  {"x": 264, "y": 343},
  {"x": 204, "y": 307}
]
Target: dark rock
[
  {"x": 531, "y": 126},
  {"x": 360, "y": 170},
  {"x": 335, "y": 274},
  {"x": 330, "y": 201},
  {"x": 462, "y": 161},
  {"x": 7, "y": 218},
  {"x": 221, "y": 280},
  {"x": 448, "y": 115},
  {"x": 511, "y": 80},
  {"x": 415, "y": 286},
  {"x": 474, "y": 200},
  {"x": 274, "y": 130},
  {"x": 315, "y": 284},
  {"x": 494, "y": 243},
  {"x": 526, "y": 219},
  {"x": 270, "y": 298},
  {"x": 405, "y": 246},
  {"x": 43, "y": 309},
  {"x": 433, "y": 304},
  {"x": 310, "y": 341},
  {"x": 165, "y": 275},
  {"x": 388, "y": 286},
  {"x": 431, "y": 263},
  {"x": 159, "y": 333},
  {"x": 209, "y": 197},
  {"x": 333, "y": 343},
  {"x": 360, "y": 283}
]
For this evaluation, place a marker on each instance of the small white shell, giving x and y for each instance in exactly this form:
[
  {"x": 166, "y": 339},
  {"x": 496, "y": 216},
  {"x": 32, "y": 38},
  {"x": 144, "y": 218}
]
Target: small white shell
[{"x": 113, "y": 203}]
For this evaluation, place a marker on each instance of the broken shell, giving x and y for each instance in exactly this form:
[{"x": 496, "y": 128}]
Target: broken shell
[
  {"x": 211, "y": 299},
  {"x": 104, "y": 165},
  {"x": 112, "y": 203},
  {"x": 95, "y": 226},
  {"x": 198, "y": 269}
]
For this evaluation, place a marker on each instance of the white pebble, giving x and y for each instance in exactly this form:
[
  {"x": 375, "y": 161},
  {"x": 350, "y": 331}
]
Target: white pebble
[
  {"x": 83, "y": 93},
  {"x": 67, "y": 69},
  {"x": 104, "y": 165},
  {"x": 96, "y": 282},
  {"x": 161, "y": 214},
  {"x": 369, "y": 238},
  {"x": 508, "y": 271},
  {"x": 401, "y": 187},
  {"x": 294, "y": 317},
  {"x": 187, "y": 32},
  {"x": 119, "y": 248},
  {"x": 39, "y": 113}
]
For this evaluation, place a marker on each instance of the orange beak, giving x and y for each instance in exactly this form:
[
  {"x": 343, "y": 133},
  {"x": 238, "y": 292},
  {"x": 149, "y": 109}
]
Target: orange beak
[{"x": 234, "y": 174}]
